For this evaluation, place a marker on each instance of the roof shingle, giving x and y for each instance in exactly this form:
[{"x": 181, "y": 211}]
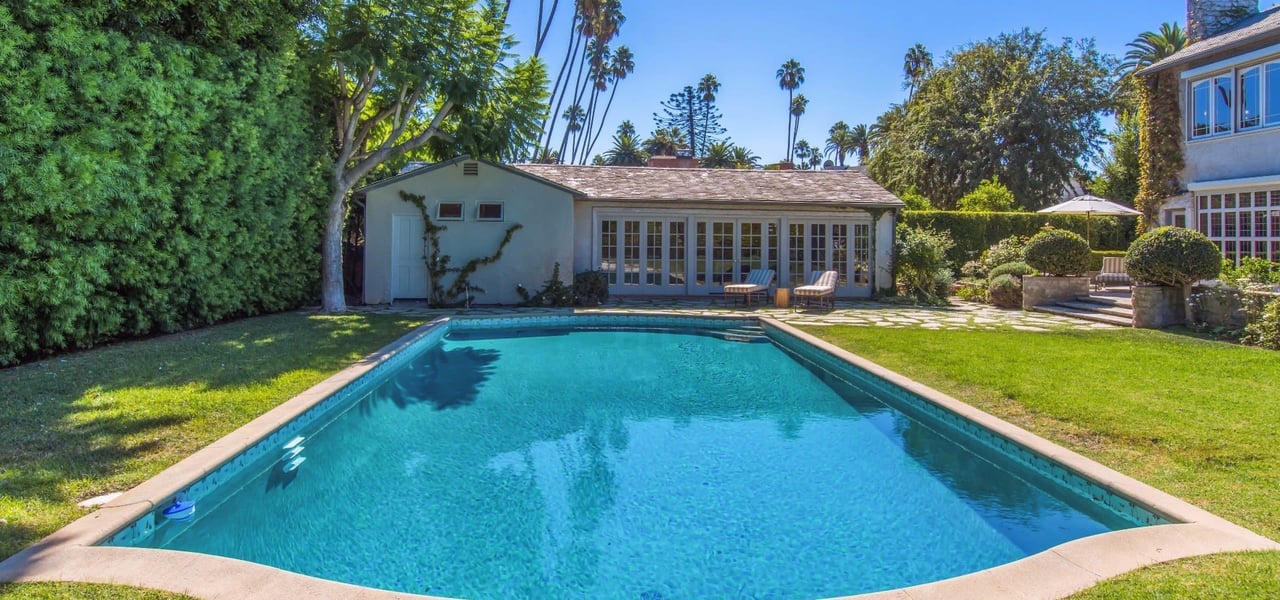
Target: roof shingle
[
  {"x": 849, "y": 187},
  {"x": 1253, "y": 28}
]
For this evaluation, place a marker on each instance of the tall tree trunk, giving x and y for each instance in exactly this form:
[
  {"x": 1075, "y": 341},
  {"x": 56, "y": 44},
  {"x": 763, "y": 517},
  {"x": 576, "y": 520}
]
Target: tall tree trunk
[
  {"x": 557, "y": 95},
  {"x": 540, "y": 36},
  {"x": 605, "y": 116},
  {"x": 332, "y": 293},
  {"x": 795, "y": 135},
  {"x": 790, "y": 94}
]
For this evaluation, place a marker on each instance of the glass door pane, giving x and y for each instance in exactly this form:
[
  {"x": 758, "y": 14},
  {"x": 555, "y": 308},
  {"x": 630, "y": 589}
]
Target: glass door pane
[
  {"x": 752, "y": 253},
  {"x": 609, "y": 250},
  {"x": 723, "y": 258},
  {"x": 631, "y": 252},
  {"x": 653, "y": 253},
  {"x": 675, "y": 253}
]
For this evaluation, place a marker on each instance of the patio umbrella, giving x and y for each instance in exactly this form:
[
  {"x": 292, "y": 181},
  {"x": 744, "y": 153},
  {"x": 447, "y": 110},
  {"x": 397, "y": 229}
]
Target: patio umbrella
[{"x": 1088, "y": 206}]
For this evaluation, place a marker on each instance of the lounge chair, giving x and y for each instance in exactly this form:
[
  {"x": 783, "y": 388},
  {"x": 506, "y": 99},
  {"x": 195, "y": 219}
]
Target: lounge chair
[
  {"x": 1112, "y": 273},
  {"x": 758, "y": 282},
  {"x": 821, "y": 287}
]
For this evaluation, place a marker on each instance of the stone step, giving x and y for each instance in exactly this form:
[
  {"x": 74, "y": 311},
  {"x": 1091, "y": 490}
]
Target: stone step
[
  {"x": 1087, "y": 315},
  {"x": 1106, "y": 309},
  {"x": 1125, "y": 301}
]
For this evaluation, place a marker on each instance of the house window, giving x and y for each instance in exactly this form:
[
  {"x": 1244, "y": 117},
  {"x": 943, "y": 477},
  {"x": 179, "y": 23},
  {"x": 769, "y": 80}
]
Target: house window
[
  {"x": 449, "y": 211},
  {"x": 1222, "y": 104},
  {"x": 1250, "y": 98},
  {"x": 1272, "y": 97},
  {"x": 1200, "y": 109},
  {"x": 1241, "y": 223},
  {"x": 489, "y": 211}
]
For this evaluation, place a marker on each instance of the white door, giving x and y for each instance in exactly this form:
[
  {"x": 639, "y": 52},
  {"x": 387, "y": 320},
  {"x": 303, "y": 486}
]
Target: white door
[{"x": 408, "y": 262}]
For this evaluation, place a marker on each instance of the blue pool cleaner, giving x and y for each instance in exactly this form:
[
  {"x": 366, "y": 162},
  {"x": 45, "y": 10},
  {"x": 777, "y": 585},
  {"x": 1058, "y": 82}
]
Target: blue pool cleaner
[{"x": 180, "y": 510}]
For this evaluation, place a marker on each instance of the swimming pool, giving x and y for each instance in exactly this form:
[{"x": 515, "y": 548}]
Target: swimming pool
[{"x": 678, "y": 458}]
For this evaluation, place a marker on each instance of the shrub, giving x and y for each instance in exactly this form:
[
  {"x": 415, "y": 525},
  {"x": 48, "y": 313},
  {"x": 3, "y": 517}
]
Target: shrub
[
  {"x": 975, "y": 232},
  {"x": 590, "y": 288},
  {"x": 989, "y": 196},
  {"x": 1264, "y": 331},
  {"x": 1018, "y": 269},
  {"x": 1251, "y": 272},
  {"x": 973, "y": 290},
  {"x": 1004, "y": 251},
  {"x": 921, "y": 261},
  {"x": 1172, "y": 256},
  {"x": 1057, "y": 252},
  {"x": 915, "y": 200},
  {"x": 1005, "y": 291}
]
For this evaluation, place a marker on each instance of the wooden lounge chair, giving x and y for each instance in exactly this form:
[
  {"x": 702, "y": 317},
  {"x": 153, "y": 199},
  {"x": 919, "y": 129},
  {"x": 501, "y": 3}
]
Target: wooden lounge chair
[
  {"x": 1112, "y": 273},
  {"x": 821, "y": 287},
  {"x": 758, "y": 282}
]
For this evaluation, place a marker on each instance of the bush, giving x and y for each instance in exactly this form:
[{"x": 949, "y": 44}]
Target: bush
[
  {"x": 973, "y": 290},
  {"x": 989, "y": 196},
  {"x": 975, "y": 232},
  {"x": 1264, "y": 331},
  {"x": 1005, "y": 291},
  {"x": 921, "y": 262},
  {"x": 1007, "y": 250},
  {"x": 1172, "y": 256},
  {"x": 1057, "y": 252},
  {"x": 590, "y": 288},
  {"x": 915, "y": 200},
  {"x": 1251, "y": 272},
  {"x": 1018, "y": 269}
]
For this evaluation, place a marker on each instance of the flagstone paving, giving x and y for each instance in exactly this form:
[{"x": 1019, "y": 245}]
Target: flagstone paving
[{"x": 959, "y": 315}]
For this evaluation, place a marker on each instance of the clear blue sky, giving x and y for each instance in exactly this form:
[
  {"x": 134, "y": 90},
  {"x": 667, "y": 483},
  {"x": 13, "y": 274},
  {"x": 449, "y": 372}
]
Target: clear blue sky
[{"x": 852, "y": 51}]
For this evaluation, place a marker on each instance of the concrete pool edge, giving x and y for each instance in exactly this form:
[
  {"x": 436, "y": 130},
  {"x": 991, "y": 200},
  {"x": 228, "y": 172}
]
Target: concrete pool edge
[
  {"x": 1076, "y": 565},
  {"x": 70, "y": 554}
]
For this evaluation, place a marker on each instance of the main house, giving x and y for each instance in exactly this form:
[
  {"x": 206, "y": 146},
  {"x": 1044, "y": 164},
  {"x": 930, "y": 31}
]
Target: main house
[
  {"x": 1230, "y": 107},
  {"x": 652, "y": 231}
]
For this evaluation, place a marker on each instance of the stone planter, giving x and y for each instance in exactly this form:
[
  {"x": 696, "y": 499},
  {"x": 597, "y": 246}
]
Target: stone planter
[
  {"x": 1045, "y": 289},
  {"x": 1157, "y": 306}
]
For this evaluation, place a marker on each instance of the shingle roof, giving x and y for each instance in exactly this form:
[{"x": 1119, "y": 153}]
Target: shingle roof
[
  {"x": 1251, "y": 29},
  {"x": 849, "y": 187}
]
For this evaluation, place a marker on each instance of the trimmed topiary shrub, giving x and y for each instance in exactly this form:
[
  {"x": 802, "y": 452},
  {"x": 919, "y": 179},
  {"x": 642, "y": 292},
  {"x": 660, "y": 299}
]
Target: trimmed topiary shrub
[
  {"x": 1057, "y": 252},
  {"x": 1005, "y": 291},
  {"x": 1173, "y": 256},
  {"x": 1018, "y": 269}
]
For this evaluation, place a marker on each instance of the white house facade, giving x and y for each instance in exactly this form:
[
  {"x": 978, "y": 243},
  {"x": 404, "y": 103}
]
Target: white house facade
[
  {"x": 1230, "y": 104},
  {"x": 652, "y": 231}
]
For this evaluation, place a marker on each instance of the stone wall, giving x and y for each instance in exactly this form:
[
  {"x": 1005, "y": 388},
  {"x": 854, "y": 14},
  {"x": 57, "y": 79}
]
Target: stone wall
[
  {"x": 1158, "y": 306},
  {"x": 1040, "y": 289}
]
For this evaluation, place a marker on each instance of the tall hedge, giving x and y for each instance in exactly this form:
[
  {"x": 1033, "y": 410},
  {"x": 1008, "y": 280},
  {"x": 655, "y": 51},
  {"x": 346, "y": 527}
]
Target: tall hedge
[
  {"x": 154, "y": 175},
  {"x": 974, "y": 232}
]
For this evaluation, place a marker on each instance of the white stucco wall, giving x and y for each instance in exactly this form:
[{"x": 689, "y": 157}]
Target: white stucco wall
[
  {"x": 1233, "y": 156},
  {"x": 545, "y": 212}
]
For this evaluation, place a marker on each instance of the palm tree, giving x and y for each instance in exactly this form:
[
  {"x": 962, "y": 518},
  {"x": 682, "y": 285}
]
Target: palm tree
[
  {"x": 839, "y": 141},
  {"x": 815, "y": 157},
  {"x": 798, "y": 106},
  {"x": 719, "y": 155},
  {"x": 915, "y": 65},
  {"x": 627, "y": 127},
  {"x": 707, "y": 89},
  {"x": 626, "y": 151},
  {"x": 623, "y": 64},
  {"x": 802, "y": 153},
  {"x": 546, "y": 156},
  {"x": 1151, "y": 47},
  {"x": 790, "y": 76},
  {"x": 574, "y": 116},
  {"x": 744, "y": 158},
  {"x": 860, "y": 138},
  {"x": 665, "y": 142}
]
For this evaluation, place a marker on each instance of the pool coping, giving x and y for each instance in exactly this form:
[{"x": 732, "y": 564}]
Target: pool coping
[{"x": 70, "y": 554}]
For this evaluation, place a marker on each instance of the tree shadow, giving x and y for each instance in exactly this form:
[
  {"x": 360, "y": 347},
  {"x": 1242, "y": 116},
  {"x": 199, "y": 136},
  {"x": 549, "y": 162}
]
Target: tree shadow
[{"x": 442, "y": 378}]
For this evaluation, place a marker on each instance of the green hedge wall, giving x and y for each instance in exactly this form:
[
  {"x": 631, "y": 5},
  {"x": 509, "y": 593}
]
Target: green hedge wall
[
  {"x": 149, "y": 184},
  {"x": 975, "y": 232}
]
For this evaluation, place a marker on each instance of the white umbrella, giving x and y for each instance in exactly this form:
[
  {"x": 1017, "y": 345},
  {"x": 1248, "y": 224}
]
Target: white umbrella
[{"x": 1088, "y": 206}]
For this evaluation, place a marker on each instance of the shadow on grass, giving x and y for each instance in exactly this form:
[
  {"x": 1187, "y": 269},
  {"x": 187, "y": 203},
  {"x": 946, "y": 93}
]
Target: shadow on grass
[{"x": 88, "y": 422}]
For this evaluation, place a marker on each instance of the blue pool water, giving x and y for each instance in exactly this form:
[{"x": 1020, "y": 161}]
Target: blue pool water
[{"x": 624, "y": 464}]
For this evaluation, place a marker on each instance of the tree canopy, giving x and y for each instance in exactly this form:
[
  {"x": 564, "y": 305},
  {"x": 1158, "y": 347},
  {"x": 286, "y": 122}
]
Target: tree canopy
[
  {"x": 402, "y": 73},
  {"x": 1014, "y": 107},
  {"x": 693, "y": 111}
]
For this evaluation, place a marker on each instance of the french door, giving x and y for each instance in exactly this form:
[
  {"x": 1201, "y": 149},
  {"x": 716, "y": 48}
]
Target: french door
[
  {"x": 726, "y": 250},
  {"x": 644, "y": 255}
]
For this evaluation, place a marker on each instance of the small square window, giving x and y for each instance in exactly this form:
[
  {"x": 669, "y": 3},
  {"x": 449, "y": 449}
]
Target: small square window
[
  {"x": 449, "y": 211},
  {"x": 489, "y": 211}
]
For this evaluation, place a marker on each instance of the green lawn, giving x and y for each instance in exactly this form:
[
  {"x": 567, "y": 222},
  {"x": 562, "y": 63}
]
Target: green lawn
[
  {"x": 1195, "y": 418},
  {"x": 105, "y": 420}
]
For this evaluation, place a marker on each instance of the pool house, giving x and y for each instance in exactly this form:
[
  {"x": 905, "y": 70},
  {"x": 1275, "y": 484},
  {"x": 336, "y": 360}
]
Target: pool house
[{"x": 654, "y": 231}]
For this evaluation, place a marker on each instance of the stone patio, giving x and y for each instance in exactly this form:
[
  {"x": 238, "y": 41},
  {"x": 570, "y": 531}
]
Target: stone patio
[{"x": 959, "y": 315}]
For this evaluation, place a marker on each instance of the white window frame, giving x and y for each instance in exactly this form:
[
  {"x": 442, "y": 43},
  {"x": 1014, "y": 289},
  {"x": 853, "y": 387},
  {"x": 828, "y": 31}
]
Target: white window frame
[
  {"x": 462, "y": 211},
  {"x": 1239, "y": 108},
  {"x": 502, "y": 211},
  {"x": 1235, "y": 74}
]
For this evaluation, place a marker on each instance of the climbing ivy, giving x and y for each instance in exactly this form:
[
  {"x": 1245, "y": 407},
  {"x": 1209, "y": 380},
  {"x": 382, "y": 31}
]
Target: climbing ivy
[
  {"x": 438, "y": 264},
  {"x": 1159, "y": 154}
]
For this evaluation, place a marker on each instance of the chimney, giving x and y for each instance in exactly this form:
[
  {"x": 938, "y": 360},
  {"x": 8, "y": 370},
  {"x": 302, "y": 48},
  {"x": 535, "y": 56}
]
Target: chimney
[
  {"x": 1207, "y": 18},
  {"x": 786, "y": 165},
  {"x": 682, "y": 160}
]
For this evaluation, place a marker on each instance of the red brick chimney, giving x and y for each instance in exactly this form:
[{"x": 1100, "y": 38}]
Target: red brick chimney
[{"x": 682, "y": 160}]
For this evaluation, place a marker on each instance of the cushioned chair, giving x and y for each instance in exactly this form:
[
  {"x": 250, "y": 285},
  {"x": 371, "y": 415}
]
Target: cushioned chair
[
  {"x": 1112, "y": 273},
  {"x": 758, "y": 282},
  {"x": 821, "y": 287}
]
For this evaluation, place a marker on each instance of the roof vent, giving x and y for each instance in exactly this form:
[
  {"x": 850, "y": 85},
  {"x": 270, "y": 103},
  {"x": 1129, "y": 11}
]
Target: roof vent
[{"x": 470, "y": 168}]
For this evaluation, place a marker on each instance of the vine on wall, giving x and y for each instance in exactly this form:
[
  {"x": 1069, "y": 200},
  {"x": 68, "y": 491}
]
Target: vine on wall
[
  {"x": 460, "y": 291},
  {"x": 1159, "y": 152}
]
